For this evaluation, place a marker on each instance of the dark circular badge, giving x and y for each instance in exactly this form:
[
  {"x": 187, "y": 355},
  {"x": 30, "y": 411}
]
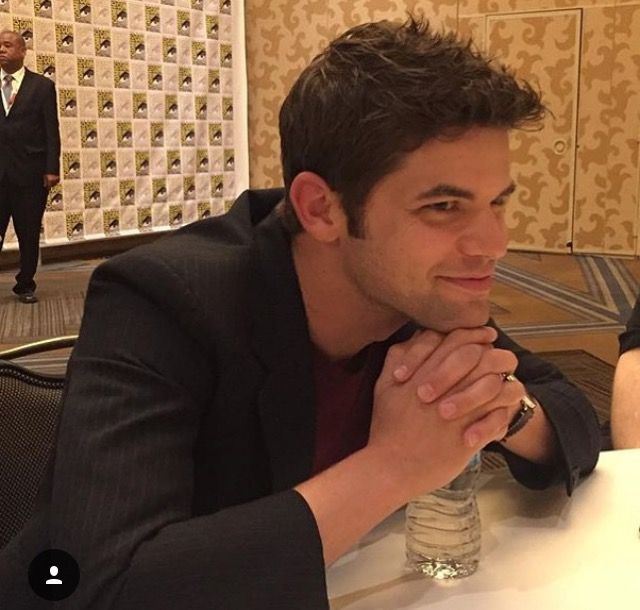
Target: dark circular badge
[{"x": 54, "y": 574}]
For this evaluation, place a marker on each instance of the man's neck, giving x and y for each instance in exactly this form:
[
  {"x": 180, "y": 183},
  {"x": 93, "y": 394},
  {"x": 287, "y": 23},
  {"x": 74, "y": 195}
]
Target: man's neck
[
  {"x": 11, "y": 70},
  {"x": 341, "y": 320}
]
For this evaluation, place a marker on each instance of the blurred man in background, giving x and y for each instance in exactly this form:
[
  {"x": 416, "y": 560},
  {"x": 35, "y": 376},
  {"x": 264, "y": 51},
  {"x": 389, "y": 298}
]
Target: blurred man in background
[{"x": 29, "y": 155}]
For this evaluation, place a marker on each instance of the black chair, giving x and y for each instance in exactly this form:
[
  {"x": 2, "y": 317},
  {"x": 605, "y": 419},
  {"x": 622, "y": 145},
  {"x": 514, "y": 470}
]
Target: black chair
[{"x": 29, "y": 408}]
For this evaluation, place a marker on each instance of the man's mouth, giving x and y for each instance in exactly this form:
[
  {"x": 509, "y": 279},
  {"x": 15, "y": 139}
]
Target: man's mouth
[{"x": 472, "y": 283}]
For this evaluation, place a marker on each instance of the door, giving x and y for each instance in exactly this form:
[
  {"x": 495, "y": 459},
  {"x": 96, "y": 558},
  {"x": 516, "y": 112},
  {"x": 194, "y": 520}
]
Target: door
[{"x": 542, "y": 48}]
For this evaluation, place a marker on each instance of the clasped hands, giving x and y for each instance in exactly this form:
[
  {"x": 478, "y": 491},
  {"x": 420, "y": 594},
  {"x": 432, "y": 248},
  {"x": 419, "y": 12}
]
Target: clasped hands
[{"x": 442, "y": 397}]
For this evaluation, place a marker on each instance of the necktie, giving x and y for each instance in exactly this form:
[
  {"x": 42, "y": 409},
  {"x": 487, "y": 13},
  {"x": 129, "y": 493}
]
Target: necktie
[{"x": 7, "y": 89}]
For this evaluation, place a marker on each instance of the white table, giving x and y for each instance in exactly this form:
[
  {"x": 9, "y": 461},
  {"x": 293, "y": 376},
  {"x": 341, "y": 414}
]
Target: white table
[{"x": 540, "y": 551}]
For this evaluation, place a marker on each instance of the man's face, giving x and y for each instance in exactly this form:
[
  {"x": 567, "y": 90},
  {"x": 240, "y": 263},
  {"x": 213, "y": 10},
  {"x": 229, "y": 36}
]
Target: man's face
[
  {"x": 12, "y": 52},
  {"x": 433, "y": 231}
]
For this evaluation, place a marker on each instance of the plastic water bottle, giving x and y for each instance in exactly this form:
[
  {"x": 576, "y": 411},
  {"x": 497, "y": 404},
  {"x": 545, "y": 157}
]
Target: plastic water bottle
[{"x": 443, "y": 528}]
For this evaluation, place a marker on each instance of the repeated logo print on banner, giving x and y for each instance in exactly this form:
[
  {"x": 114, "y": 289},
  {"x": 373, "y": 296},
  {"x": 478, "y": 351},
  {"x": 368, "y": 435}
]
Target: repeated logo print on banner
[{"x": 145, "y": 100}]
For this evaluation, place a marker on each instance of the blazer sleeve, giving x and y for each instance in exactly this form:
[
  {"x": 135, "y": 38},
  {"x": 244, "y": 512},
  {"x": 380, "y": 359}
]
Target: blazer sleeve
[
  {"x": 123, "y": 476},
  {"x": 630, "y": 338},
  {"x": 572, "y": 418},
  {"x": 52, "y": 128}
]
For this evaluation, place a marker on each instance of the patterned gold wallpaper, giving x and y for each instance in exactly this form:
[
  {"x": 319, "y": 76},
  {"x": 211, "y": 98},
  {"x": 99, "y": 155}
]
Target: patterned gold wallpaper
[
  {"x": 579, "y": 177},
  {"x": 606, "y": 204},
  {"x": 543, "y": 44},
  {"x": 282, "y": 37}
]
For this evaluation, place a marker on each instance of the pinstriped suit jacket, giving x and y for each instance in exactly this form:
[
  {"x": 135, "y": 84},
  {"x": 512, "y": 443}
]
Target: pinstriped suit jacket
[{"x": 188, "y": 417}]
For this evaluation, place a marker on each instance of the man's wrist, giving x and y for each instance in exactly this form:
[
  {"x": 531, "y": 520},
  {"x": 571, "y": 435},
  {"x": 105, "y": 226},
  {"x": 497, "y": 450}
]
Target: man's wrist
[{"x": 528, "y": 406}]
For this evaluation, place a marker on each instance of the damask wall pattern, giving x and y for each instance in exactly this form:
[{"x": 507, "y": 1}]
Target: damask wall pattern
[
  {"x": 146, "y": 106},
  {"x": 544, "y": 44},
  {"x": 596, "y": 208},
  {"x": 282, "y": 38},
  {"x": 606, "y": 204}
]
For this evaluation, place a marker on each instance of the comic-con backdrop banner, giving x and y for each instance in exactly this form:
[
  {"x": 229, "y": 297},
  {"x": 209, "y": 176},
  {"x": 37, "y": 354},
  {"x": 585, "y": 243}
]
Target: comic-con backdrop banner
[{"x": 146, "y": 107}]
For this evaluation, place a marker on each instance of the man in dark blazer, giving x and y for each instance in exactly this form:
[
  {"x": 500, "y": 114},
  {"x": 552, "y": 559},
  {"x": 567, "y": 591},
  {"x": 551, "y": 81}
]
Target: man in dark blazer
[
  {"x": 29, "y": 155},
  {"x": 251, "y": 395}
]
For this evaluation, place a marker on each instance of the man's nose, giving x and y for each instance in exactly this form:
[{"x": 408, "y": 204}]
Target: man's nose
[{"x": 487, "y": 236}]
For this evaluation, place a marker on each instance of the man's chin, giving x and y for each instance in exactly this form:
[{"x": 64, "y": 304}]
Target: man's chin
[{"x": 446, "y": 319}]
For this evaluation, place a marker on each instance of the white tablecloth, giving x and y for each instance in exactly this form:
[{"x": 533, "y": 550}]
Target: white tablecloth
[{"x": 540, "y": 551}]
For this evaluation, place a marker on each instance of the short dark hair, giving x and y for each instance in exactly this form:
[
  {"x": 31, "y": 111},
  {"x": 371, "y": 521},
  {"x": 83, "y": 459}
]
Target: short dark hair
[{"x": 378, "y": 92}]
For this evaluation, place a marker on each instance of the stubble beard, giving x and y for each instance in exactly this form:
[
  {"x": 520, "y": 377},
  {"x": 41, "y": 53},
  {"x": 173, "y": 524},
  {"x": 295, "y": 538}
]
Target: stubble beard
[
  {"x": 429, "y": 310},
  {"x": 445, "y": 316}
]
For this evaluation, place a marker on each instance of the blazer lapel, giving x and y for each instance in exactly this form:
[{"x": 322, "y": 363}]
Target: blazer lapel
[{"x": 281, "y": 343}]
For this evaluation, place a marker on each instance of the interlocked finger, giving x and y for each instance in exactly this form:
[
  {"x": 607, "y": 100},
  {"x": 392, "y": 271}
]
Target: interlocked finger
[
  {"x": 484, "y": 335},
  {"x": 482, "y": 395},
  {"x": 463, "y": 367},
  {"x": 429, "y": 349},
  {"x": 489, "y": 428},
  {"x": 417, "y": 351},
  {"x": 435, "y": 383}
]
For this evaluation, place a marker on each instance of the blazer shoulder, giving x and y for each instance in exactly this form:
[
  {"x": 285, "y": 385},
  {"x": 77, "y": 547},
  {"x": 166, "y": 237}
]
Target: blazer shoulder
[
  {"x": 39, "y": 79},
  {"x": 202, "y": 258},
  {"x": 198, "y": 258}
]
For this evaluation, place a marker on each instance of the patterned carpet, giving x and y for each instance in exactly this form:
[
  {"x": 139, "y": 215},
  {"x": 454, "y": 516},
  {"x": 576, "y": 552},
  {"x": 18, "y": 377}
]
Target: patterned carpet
[
  {"x": 546, "y": 294},
  {"x": 55, "y": 315},
  {"x": 61, "y": 290}
]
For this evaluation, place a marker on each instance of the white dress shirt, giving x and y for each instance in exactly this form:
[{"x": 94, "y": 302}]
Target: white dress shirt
[{"x": 18, "y": 77}]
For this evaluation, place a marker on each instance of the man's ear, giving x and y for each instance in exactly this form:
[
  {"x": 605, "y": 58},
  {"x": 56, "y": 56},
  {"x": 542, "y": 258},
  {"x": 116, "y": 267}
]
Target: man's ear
[{"x": 317, "y": 207}]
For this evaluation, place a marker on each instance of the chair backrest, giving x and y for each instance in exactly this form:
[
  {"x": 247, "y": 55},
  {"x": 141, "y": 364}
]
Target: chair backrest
[{"x": 29, "y": 409}]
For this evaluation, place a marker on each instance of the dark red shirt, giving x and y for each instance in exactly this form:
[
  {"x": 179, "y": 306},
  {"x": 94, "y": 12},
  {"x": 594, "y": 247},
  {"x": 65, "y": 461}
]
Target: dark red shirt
[{"x": 344, "y": 397}]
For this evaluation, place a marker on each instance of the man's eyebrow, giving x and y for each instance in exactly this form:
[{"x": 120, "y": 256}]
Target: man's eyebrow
[
  {"x": 449, "y": 190},
  {"x": 508, "y": 191}
]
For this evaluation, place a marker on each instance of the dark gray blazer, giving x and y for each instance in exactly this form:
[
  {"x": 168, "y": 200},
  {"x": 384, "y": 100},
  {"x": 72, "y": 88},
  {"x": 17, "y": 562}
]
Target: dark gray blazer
[
  {"x": 630, "y": 338},
  {"x": 189, "y": 415}
]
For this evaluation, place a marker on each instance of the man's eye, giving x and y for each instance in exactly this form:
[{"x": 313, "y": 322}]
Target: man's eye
[
  {"x": 501, "y": 202},
  {"x": 442, "y": 206}
]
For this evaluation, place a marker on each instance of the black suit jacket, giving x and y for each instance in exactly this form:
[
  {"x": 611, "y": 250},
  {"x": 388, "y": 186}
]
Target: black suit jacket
[
  {"x": 189, "y": 416},
  {"x": 29, "y": 134},
  {"x": 630, "y": 338}
]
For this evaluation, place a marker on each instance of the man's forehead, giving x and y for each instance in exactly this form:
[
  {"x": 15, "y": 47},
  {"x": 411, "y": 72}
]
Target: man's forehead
[
  {"x": 10, "y": 37},
  {"x": 473, "y": 165},
  {"x": 475, "y": 145}
]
